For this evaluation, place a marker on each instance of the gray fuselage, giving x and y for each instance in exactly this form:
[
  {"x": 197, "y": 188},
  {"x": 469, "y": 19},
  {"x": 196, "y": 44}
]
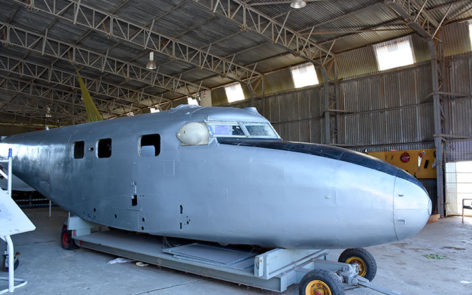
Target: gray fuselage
[{"x": 230, "y": 190}]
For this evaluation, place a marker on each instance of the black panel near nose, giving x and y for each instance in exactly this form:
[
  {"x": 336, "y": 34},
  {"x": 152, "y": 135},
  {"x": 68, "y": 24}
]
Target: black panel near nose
[{"x": 326, "y": 151}]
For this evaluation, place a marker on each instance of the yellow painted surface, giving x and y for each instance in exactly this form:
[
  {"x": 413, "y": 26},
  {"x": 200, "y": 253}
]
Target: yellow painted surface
[
  {"x": 91, "y": 109},
  {"x": 421, "y": 168}
]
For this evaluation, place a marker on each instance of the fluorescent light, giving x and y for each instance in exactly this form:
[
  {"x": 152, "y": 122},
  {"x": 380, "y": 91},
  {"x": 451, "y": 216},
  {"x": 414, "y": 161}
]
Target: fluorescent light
[
  {"x": 234, "y": 92},
  {"x": 304, "y": 75},
  {"x": 395, "y": 53},
  {"x": 297, "y": 4}
]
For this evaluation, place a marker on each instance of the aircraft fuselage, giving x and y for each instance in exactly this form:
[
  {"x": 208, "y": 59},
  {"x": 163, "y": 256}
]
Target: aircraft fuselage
[{"x": 137, "y": 174}]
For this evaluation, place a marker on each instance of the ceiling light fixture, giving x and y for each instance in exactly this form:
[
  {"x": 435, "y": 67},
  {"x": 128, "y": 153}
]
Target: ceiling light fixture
[
  {"x": 297, "y": 4},
  {"x": 151, "y": 65},
  {"x": 48, "y": 112}
]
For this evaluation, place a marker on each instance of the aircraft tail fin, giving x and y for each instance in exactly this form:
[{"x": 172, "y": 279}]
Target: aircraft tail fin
[{"x": 92, "y": 112}]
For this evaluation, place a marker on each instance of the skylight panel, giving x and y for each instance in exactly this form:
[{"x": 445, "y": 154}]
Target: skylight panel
[
  {"x": 234, "y": 92},
  {"x": 304, "y": 75},
  {"x": 470, "y": 33},
  {"x": 395, "y": 53}
]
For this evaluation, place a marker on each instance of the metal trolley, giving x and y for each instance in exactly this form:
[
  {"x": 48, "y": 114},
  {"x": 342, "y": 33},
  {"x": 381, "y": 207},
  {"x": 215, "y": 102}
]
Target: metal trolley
[{"x": 273, "y": 270}]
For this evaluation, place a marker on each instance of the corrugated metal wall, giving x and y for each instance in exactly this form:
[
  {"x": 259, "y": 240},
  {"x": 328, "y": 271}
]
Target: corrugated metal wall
[
  {"x": 296, "y": 115},
  {"x": 458, "y": 108},
  {"x": 458, "y": 150},
  {"x": 388, "y": 110}
]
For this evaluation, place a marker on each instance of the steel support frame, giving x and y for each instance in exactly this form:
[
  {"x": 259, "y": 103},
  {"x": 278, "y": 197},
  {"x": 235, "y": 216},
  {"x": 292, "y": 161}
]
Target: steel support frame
[
  {"x": 51, "y": 74},
  {"x": 424, "y": 24},
  {"x": 437, "y": 110},
  {"x": 110, "y": 108},
  {"x": 143, "y": 36},
  {"x": 44, "y": 45},
  {"x": 61, "y": 99},
  {"x": 327, "y": 118},
  {"x": 249, "y": 18},
  {"x": 417, "y": 17}
]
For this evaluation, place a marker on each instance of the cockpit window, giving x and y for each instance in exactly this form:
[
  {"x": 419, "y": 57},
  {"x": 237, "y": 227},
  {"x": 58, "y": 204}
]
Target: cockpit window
[
  {"x": 260, "y": 130},
  {"x": 242, "y": 129},
  {"x": 226, "y": 130}
]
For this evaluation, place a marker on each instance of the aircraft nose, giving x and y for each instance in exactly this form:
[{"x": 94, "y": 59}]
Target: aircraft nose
[{"x": 412, "y": 207}]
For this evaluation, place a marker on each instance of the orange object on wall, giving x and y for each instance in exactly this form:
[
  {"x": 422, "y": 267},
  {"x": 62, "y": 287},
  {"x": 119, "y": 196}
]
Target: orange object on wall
[{"x": 419, "y": 163}]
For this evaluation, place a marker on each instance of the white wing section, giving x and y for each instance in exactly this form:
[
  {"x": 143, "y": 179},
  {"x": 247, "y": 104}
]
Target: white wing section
[{"x": 12, "y": 219}]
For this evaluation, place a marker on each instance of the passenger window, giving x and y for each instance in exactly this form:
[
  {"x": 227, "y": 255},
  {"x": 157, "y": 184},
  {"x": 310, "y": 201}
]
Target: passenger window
[
  {"x": 104, "y": 148},
  {"x": 150, "y": 145},
  {"x": 79, "y": 149}
]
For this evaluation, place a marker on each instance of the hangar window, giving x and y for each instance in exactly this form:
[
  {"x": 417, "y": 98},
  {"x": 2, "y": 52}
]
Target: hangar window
[
  {"x": 470, "y": 33},
  {"x": 234, "y": 92},
  {"x": 79, "y": 148},
  {"x": 395, "y": 53},
  {"x": 304, "y": 75},
  {"x": 104, "y": 148},
  {"x": 150, "y": 145},
  {"x": 192, "y": 101}
]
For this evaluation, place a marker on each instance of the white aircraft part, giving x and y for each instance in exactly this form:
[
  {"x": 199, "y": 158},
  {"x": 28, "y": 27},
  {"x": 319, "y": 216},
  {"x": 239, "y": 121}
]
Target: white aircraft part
[
  {"x": 12, "y": 220},
  {"x": 17, "y": 185},
  {"x": 194, "y": 134}
]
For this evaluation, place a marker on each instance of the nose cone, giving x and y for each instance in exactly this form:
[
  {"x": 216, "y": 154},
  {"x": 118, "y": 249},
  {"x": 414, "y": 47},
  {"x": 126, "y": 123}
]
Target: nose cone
[{"x": 412, "y": 206}]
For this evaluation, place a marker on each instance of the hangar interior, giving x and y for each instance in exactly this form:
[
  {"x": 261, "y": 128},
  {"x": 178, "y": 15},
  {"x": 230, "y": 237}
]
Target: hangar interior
[{"x": 393, "y": 75}]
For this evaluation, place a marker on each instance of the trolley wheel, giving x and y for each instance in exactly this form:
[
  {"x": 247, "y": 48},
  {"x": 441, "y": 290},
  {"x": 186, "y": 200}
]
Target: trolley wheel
[
  {"x": 67, "y": 242},
  {"x": 363, "y": 259},
  {"x": 5, "y": 263},
  {"x": 320, "y": 282}
]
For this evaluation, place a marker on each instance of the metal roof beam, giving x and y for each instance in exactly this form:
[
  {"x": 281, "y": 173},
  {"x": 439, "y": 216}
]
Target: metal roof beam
[
  {"x": 51, "y": 74},
  {"x": 10, "y": 118},
  {"x": 417, "y": 17},
  {"x": 251, "y": 19},
  {"x": 54, "y": 96},
  {"x": 33, "y": 41},
  {"x": 142, "y": 36}
]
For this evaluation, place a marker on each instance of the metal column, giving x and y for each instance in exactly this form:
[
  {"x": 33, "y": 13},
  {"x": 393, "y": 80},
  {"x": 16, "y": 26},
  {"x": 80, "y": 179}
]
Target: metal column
[
  {"x": 437, "y": 127},
  {"x": 326, "y": 104}
]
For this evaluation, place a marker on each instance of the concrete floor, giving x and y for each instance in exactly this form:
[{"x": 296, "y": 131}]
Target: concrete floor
[{"x": 402, "y": 266}]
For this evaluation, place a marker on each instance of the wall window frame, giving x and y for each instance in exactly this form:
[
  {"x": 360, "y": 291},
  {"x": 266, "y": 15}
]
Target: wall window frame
[
  {"x": 394, "y": 53},
  {"x": 304, "y": 75},
  {"x": 234, "y": 92}
]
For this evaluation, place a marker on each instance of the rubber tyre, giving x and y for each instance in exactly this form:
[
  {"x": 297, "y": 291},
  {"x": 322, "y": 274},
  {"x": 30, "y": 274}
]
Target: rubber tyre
[
  {"x": 5, "y": 267},
  {"x": 328, "y": 279},
  {"x": 67, "y": 242},
  {"x": 365, "y": 256}
]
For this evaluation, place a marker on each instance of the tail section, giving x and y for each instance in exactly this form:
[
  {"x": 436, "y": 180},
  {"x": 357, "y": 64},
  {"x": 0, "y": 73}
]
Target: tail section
[{"x": 92, "y": 112}]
